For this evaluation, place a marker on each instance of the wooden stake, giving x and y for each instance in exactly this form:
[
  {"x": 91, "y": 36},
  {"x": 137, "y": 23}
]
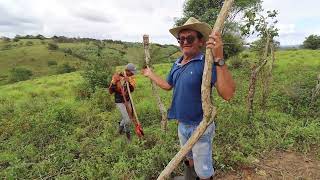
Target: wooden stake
[
  {"x": 153, "y": 86},
  {"x": 209, "y": 111},
  {"x": 134, "y": 119}
]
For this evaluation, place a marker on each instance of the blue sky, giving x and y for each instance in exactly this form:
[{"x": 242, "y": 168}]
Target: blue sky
[{"x": 128, "y": 20}]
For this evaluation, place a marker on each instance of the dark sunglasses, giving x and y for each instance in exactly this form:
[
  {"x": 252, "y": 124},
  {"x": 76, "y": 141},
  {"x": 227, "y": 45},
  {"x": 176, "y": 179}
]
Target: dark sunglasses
[{"x": 190, "y": 39}]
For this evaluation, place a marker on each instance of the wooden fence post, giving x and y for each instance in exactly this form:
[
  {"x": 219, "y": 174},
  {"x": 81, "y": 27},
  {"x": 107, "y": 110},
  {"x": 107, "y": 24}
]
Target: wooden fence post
[{"x": 153, "y": 86}]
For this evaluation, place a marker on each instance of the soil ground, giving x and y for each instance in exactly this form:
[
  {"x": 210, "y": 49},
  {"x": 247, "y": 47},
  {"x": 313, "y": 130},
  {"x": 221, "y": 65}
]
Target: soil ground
[{"x": 278, "y": 165}]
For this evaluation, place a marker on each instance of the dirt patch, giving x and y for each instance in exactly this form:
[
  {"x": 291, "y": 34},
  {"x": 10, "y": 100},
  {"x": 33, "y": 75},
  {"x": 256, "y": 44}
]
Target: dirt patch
[{"x": 278, "y": 165}]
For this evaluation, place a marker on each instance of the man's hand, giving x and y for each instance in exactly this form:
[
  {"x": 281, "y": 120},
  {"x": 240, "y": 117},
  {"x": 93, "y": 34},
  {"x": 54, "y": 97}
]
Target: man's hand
[
  {"x": 115, "y": 78},
  {"x": 215, "y": 44},
  {"x": 146, "y": 72},
  {"x": 126, "y": 78}
]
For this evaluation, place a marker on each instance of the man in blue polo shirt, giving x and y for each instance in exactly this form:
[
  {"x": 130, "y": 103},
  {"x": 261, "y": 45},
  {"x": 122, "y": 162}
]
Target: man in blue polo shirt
[{"x": 185, "y": 78}]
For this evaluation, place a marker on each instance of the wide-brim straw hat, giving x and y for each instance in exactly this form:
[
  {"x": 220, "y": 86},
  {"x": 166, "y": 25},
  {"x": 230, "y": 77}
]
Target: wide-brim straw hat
[{"x": 193, "y": 24}]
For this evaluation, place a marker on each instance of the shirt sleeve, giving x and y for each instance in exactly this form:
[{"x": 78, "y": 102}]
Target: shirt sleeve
[
  {"x": 170, "y": 77},
  {"x": 214, "y": 75}
]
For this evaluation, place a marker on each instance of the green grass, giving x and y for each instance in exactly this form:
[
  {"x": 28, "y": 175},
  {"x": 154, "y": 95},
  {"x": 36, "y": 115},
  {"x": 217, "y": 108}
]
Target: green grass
[
  {"x": 35, "y": 57},
  {"x": 48, "y": 132}
]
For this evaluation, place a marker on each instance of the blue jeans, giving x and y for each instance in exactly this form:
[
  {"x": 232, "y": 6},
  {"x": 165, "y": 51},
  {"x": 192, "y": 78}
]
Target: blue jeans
[{"x": 201, "y": 151}]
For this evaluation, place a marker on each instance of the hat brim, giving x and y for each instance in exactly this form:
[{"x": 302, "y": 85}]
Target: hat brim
[
  {"x": 132, "y": 71},
  {"x": 203, "y": 28}
]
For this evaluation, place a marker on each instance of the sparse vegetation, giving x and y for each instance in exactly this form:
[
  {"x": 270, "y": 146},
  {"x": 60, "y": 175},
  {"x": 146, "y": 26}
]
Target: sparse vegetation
[
  {"x": 65, "y": 68},
  {"x": 53, "y": 46},
  {"x": 19, "y": 74},
  {"x": 52, "y": 63}
]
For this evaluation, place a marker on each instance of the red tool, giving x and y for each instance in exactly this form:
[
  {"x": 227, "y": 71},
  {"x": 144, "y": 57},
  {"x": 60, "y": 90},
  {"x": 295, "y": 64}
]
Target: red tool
[{"x": 133, "y": 115}]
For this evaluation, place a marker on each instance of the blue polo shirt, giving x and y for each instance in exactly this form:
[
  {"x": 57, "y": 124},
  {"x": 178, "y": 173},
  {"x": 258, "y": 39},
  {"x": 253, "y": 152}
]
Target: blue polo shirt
[{"x": 186, "y": 81}]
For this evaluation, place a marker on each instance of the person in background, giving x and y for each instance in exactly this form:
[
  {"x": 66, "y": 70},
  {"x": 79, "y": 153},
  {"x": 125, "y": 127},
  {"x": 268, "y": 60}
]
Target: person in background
[{"x": 121, "y": 96}]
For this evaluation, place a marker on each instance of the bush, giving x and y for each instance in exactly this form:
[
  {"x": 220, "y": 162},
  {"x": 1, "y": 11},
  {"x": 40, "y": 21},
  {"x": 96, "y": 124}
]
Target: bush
[
  {"x": 67, "y": 50},
  {"x": 64, "y": 113},
  {"x": 65, "y": 68},
  {"x": 7, "y": 47},
  {"x": 29, "y": 43},
  {"x": 102, "y": 100},
  {"x": 312, "y": 42},
  {"x": 98, "y": 73},
  {"x": 233, "y": 45},
  {"x": 53, "y": 46},
  {"x": 237, "y": 62},
  {"x": 19, "y": 74},
  {"x": 52, "y": 63},
  {"x": 83, "y": 91}
]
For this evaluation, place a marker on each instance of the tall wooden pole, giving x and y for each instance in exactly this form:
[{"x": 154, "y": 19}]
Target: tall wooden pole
[
  {"x": 162, "y": 109},
  {"x": 209, "y": 111}
]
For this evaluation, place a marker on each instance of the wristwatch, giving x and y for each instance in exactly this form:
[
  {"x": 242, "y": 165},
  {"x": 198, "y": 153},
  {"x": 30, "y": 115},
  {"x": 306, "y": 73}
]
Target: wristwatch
[{"x": 220, "y": 62}]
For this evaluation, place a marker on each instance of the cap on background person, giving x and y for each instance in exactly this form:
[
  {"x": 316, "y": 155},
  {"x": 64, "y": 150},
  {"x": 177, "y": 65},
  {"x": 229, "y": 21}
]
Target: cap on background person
[{"x": 131, "y": 67}]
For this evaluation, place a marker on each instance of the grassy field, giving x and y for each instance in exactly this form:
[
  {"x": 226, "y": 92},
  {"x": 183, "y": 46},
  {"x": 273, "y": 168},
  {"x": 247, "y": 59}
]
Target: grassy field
[
  {"x": 48, "y": 131},
  {"x": 33, "y": 54}
]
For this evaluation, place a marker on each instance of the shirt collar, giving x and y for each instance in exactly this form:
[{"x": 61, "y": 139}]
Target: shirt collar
[{"x": 198, "y": 57}]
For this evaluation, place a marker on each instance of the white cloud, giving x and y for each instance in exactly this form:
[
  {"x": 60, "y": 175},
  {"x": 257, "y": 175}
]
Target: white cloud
[
  {"x": 116, "y": 19},
  {"x": 297, "y": 19},
  {"x": 128, "y": 20}
]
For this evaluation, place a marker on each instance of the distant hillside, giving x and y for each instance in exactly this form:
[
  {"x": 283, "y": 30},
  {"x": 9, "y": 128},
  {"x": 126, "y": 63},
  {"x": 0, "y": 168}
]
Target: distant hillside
[{"x": 34, "y": 54}]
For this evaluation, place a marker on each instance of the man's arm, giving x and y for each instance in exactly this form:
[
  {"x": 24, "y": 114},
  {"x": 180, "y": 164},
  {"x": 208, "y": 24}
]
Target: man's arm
[
  {"x": 156, "y": 79},
  {"x": 115, "y": 84},
  {"x": 224, "y": 84}
]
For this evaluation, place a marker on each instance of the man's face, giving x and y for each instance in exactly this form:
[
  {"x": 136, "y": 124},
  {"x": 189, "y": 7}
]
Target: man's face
[
  {"x": 190, "y": 44},
  {"x": 128, "y": 72}
]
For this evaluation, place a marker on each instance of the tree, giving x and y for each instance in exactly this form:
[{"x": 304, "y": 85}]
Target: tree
[
  {"x": 312, "y": 42},
  {"x": 264, "y": 26},
  {"x": 207, "y": 11},
  {"x": 98, "y": 73},
  {"x": 41, "y": 37},
  {"x": 5, "y": 39}
]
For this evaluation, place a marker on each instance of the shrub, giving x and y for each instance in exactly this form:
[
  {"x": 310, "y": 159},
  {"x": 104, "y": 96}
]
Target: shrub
[
  {"x": 312, "y": 42},
  {"x": 65, "y": 68},
  {"x": 83, "y": 91},
  {"x": 19, "y": 74},
  {"x": 52, "y": 63},
  {"x": 237, "y": 62},
  {"x": 29, "y": 43},
  {"x": 53, "y": 46},
  {"x": 102, "y": 100},
  {"x": 98, "y": 73},
  {"x": 62, "y": 113},
  {"x": 233, "y": 45},
  {"x": 7, "y": 47},
  {"x": 67, "y": 50}
]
